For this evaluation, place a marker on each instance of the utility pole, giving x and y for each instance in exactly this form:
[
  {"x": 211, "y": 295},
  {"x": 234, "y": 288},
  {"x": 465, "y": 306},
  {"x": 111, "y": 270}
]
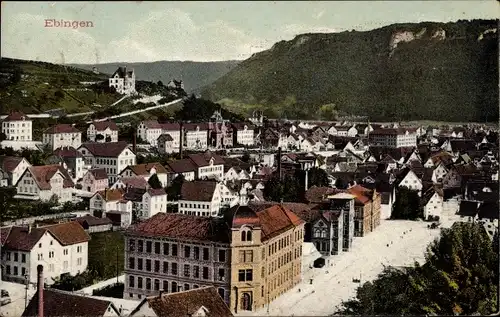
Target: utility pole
[{"x": 117, "y": 265}]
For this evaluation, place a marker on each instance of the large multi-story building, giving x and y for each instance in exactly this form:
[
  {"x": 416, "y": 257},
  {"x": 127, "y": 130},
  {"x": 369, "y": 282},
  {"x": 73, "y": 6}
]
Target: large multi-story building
[
  {"x": 17, "y": 127},
  {"x": 114, "y": 157},
  {"x": 243, "y": 133},
  {"x": 106, "y": 130},
  {"x": 397, "y": 137},
  {"x": 367, "y": 210},
  {"x": 250, "y": 257},
  {"x": 150, "y": 131},
  {"x": 62, "y": 135},
  {"x": 44, "y": 182},
  {"x": 123, "y": 81},
  {"x": 196, "y": 136},
  {"x": 61, "y": 249}
]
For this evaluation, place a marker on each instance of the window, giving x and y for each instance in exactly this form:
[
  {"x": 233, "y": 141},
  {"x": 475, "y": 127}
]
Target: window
[
  {"x": 139, "y": 282},
  {"x": 165, "y": 249},
  {"x": 245, "y": 275},
  {"x": 157, "y": 266},
  {"x": 205, "y": 254},
  {"x": 131, "y": 263},
  {"x": 174, "y": 268},
  {"x": 131, "y": 282},
  {"x": 222, "y": 274},
  {"x": 165, "y": 267},
  {"x": 165, "y": 286},
  {"x": 174, "y": 287},
  {"x": 221, "y": 292},
  {"x": 196, "y": 251},
  {"x": 246, "y": 256},
  {"x": 51, "y": 254},
  {"x": 79, "y": 261},
  {"x": 139, "y": 264},
  {"x": 157, "y": 285},
  {"x": 39, "y": 245},
  {"x": 205, "y": 273},
  {"x": 15, "y": 270},
  {"x": 148, "y": 283},
  {"x": 23, "y": 271},
  {"x": 222, "y": 255},
  {"x": 187, "y": 251},
  {"x": 8, "y": 256},
  {"x": 148, "y": 265},
  {"x": 149, "y": 245},
  {"x": 140, "y": 246},
  {"x": 196, "y": 271},
  {"x": 16, "y": 256},
  {"x": 79, "y": 249},
  {"x": 40, "y": 256},
  {"x": 174, "y": 249},
  {"x": 65, "y": 251},
  {"x": 187, "y": 270},
  {"x": 8, "y": 269},
  {"x": 65, "y": 265},
  {"x": 157, "y": 247}
]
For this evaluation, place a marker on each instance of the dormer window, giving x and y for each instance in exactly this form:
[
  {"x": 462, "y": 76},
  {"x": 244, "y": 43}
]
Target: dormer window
[{"x": 246, "y": 235}]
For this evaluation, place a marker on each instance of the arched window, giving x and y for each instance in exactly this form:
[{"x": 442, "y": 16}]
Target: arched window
[
  {"x": 243, "y": 236},
  {"x": 249, "y": 235}
]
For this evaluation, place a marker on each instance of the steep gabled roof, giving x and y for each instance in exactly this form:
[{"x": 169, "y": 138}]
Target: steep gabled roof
[
  {"x": 103, "y": 125},
  {"x": 9, "y": 163},
  {"x": 43, "y": 174},
  {"x": 62, "y": 128},
  {"x": 108, "y": 149},
  {"x": 64, "y": 304},
  {"x": 198, "y": 190}
]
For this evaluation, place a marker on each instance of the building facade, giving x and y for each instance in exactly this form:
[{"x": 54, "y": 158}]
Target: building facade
[
  {"x": 395, "y": 138},
  {"x": 62, "y": 135},
  {"x": 17, "y": 127},
  {"x": 123, "y": 81}
]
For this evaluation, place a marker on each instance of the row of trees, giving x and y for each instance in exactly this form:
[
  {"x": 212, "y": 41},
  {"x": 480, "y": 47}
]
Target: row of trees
[
  {"x": 291, "y": 188},
  {"x": 460, "y": 277}
]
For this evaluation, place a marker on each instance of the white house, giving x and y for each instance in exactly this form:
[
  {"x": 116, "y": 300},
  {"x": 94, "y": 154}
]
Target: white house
[
  {"x": 62, "y": 135},
  {"x": 411, "y": 181},
  {"x": 229, "y": 197},
  {"x": 95, "y": 180},
  {"x": 184, "y": 167},
  {"x": 147, "y": 170},
  {"x": 399, "y": 137},
  {"x": 352, "y": 132},
  {"x": 236, "y": 173},
  {"x": 73, "y": 161},
  {"x": 332, "y": 130},
  {"x": 131, "y": 182},
  {"x": 309, "y": 145},
  {"x": 14, "y": 166},
  {"x": 43, "y": 182},
  {"x": 108, "y": 130},
  {"x": 433, "y": 203},
  {"x": 439, "y": 173},
  {"x": 150, "y": 203},
  {"x": 200, "y": 198},
  {"x": 114, "y": 157},
  {"x": 196, "y": 136},
  {"x": 165, "y": 144},
  {"x": 110, "y": 203},
  {"x": 208, "y": 165},
  {"x": 17, "y": 127},
  {"x": 150, "y": 131},
  {"x": 123, "y": 81},
  {"x": 60, "y": 248},
  {"x": 243, "y": 133}
]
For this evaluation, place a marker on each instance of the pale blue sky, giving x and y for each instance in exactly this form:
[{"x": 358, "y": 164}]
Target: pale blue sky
[{"x": 138, "y": 31}]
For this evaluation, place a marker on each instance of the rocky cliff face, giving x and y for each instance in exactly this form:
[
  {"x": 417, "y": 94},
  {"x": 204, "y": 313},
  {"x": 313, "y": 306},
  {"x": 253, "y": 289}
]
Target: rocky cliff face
[{"x": 439, "y": 71}]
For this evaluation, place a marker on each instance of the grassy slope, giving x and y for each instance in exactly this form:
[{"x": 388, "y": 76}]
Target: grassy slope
[
  {"x": 41, "y": 81},
  {"x": 193, "y": 74},
  {"x": 451, "y": 80}
]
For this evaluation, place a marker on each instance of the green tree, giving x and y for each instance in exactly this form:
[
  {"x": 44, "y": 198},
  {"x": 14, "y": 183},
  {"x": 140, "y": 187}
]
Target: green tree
[
  {"x": 174, "y": 190},
  {"x": 460, "y": 277},
  {"x": 328, "y": 112},
  {"x": 154, "y": 182},
  {"x": 287, "y": 189},
  {"x": 6, "y": 200},
  {"x": 16, "y": 76},
  {"x": 407, "y": 205}
]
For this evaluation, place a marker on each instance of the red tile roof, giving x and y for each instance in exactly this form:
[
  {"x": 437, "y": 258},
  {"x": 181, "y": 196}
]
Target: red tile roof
[
  {"x": 109, "y": 149},
  {"x": 16, "y": 116},
  {"x": 181, "y": 226},
  {"x": 68, "y": 233},
  {"x": 145, "y": 169},
  {"x": 317, "y": 194},
  {"x": 134, "y": 182},
  {"x": 111, "y": 194},
  {"x": 9, "y": 163},
  {"x": 198, "y": 190},
  {"x": 64, "y": 304},
  {"x": 43, "y": 174},
  {"x": 362, "y": 194},
  {"x": 67, "y": 151},
  {"x": 187, "y": 303},
  {"x": 99, "y": 173},
  {"x": 103, "y": 125},
  {"x": 194, "y": 126},
  {"x": 156, "y": 192},
  {"x": 4, "y": 233},
  {"x": 62, "y": 128},
  {"x": 92, "y": 221},
  {"x": 276, "y": 220},
  {"x": 203, "y": 159},
  {"x": 182, "y": 166}
]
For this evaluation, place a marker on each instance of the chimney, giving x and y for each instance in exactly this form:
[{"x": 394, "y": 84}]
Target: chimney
[
  {"x": 39, "y": 269},
  {"x": 134, "y": 141},
  {"x": 279, "y": 163},
  {"x": 181, "y": 139},
  {"x": 307, "y": 179}
]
